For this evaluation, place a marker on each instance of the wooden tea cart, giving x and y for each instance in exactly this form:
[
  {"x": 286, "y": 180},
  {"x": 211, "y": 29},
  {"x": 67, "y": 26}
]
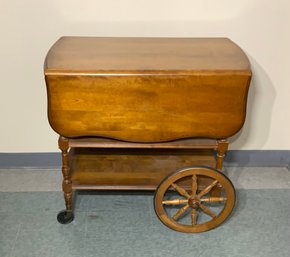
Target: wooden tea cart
[{"x": 149, "y": 114}]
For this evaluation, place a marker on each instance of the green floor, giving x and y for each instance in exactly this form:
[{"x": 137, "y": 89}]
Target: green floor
[{"x": 114, "y": 224}]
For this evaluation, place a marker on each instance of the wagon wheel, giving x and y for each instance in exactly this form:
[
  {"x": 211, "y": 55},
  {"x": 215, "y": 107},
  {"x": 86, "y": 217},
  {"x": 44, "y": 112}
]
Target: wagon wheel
[{"x": 183, "y": 203}]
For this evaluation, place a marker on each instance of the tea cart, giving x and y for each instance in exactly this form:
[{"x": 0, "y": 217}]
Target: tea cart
[{"x": 149, "y": 114}]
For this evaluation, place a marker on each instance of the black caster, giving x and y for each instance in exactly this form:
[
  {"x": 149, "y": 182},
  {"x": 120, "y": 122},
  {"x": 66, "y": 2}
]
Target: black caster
[{"x": 65, "y": 217}]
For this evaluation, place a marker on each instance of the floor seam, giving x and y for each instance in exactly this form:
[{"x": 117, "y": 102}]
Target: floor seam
[{"x": 15, "y": 240}]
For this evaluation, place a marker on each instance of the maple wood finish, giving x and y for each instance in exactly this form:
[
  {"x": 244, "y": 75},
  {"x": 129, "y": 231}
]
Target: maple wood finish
[
  {"x": 161, "y": 89},
  {"x": 131, "y": 111}
]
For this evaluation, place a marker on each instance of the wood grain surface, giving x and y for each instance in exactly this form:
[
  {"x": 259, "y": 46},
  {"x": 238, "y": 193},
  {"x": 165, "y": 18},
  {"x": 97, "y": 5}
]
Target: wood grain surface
[
  {"x": 146, "y": 89},
  {"x": 130, "y": 168},
  {"x": 95, "y": 55}
]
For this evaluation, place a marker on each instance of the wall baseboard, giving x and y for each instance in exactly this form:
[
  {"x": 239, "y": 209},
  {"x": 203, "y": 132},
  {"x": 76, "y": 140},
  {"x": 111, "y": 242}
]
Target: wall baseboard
[
  {"x": 247, "y": 158},
  {"x": 258, "y": 158},
  {"x": 30, "y": 160}
]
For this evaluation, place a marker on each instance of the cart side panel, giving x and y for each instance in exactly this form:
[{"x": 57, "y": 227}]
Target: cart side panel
[{"x": 148, "y": 108}]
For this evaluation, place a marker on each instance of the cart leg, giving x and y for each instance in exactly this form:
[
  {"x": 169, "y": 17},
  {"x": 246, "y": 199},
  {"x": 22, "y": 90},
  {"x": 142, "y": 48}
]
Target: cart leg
[
  {"x": 65, "y": 216},
  {"x": 221, "y": 151}
]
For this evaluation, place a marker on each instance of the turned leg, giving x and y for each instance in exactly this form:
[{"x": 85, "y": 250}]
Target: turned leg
[
  {"x": 65, "y": 216},
  {"x": 221, "y": 151}
]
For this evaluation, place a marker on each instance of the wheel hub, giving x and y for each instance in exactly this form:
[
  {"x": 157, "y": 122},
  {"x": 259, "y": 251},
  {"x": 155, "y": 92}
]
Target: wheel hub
[{"x": 193, "y": 202}]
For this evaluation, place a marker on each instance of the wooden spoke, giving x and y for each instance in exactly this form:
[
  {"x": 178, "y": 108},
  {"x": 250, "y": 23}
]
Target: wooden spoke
[
  {"x": 193, "y": 217},
  {"x": 180, "y": 212},
  {"x": 193, "y": 185},
  {"x": 207, "y": 211},
  {"x": 180, "y": 190},
  {"x": 175, "y": 201},
  {"x": 213, "y": 199},
  {"x": 207, "y": 189}
]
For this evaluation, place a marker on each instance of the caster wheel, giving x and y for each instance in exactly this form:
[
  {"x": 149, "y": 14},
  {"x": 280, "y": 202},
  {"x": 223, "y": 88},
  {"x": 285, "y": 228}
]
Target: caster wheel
[
  {"x": 184, "y": 201},
  {"x": 65, "y": 217}
]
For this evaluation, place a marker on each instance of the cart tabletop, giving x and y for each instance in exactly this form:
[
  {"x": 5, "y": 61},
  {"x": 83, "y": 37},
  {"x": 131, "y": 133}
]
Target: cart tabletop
[{"x": 144, "y": 55}]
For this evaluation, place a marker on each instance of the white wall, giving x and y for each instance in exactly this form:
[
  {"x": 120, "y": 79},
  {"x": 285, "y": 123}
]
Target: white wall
[{"x": 30, "y": 27}]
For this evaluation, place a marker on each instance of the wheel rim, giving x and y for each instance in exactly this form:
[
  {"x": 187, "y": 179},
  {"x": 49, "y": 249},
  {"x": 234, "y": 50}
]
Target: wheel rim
[{"x": 174, "y": 200}]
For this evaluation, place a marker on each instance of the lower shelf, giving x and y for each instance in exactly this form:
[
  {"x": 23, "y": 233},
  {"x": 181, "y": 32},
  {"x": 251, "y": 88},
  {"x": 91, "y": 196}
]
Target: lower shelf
[{"x": 140, "y": 169}]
